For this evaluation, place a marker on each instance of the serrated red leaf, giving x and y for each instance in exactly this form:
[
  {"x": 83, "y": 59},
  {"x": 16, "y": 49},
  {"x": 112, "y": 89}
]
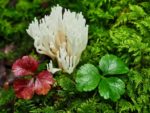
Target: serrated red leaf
[
  {"x": 43, "y": 83},
  {"x": 24, "y": 88},
  {"x": 25, "y": 66}
]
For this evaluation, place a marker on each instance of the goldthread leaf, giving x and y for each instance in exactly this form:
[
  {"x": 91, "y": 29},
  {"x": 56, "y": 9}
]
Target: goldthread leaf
[
  {"x": 110, "y": 64},
  {"x": 111, "y": 88},
  {"x": 27, "y": 65},
  {"x": 43, "y": 83},
  {"x": 24, "y": 88},
  {"x": 87, "y": 78}
]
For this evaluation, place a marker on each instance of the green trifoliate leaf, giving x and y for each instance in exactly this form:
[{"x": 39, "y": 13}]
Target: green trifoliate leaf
[
  {"x": 111, "y": 64},
  {"x": 111, "y": 88},
  {"x": 87, "y": 78}
]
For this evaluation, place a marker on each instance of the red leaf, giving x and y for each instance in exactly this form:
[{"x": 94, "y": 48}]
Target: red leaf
[
  {"x": 43, "y": 83},
  {"x": 24, "y": 88},
  {"x": 25, "y": 66}
]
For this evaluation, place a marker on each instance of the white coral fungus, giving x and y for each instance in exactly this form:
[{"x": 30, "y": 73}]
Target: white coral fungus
[
  {"x": 61, "y": 36},
  {"x": 51, "y": 69}
]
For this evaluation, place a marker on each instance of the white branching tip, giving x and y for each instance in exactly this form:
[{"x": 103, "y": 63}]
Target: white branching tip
[
  {"x": 51, "y": 69},
  {"x": 61, "y": 36}
]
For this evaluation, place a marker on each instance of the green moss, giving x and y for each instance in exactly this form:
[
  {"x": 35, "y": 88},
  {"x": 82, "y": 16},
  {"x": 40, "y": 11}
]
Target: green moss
[{"x": 119, "y": 27}]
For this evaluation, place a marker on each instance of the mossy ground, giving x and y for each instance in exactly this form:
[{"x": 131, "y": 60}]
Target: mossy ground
[{"x": 119, "y": 27}]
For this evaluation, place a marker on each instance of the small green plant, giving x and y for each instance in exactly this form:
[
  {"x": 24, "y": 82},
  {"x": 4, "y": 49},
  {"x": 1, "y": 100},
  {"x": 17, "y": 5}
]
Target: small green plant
[{"x": 88, "y": 77}]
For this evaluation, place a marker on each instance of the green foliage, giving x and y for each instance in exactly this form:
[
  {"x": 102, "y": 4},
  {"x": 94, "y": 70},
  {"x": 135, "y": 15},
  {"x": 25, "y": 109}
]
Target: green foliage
[
  {"x": 119, "y": 27},
  {"x": 88, "y": 77},
  {"x": 111, "y": 87},
  {"x": 7, "y": 96},
  {"x": 14, "y": 20},
  {"x": 88, "y": 107},
  {"x": 6, "y": 100},
  {"x": 111, "y": 64},
  {"x": 66, "y": 83}
]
